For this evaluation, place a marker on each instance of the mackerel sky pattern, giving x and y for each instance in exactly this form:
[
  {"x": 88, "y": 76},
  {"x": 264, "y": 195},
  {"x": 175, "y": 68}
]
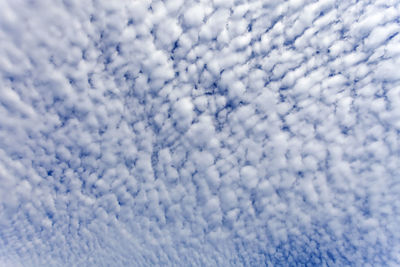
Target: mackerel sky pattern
[{"x": 199, "y": 133}]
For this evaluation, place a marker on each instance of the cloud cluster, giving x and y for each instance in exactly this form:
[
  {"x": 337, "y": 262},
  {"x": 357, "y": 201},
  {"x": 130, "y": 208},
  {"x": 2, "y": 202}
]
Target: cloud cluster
[{"x": 207, "y": 133}]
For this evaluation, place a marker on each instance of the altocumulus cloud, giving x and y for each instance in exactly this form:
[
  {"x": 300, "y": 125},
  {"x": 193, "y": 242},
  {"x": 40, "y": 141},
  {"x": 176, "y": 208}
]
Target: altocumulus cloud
[{"x": 199, "y": 133}]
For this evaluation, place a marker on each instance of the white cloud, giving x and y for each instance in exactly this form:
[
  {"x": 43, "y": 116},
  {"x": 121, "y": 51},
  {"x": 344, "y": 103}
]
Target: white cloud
[
  {"x": 194, "y": 15},
  {"x": 206, "y": 133}
]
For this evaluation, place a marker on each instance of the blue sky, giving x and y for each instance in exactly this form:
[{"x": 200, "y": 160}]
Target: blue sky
[{"x": 199, "y": 133}]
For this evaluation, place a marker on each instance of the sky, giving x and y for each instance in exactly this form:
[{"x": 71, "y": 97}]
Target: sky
[{"x": 199, "y": 133}]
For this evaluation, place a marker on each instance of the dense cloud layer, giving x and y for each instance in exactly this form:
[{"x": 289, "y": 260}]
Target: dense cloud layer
[{"x": 208, "y": 133}]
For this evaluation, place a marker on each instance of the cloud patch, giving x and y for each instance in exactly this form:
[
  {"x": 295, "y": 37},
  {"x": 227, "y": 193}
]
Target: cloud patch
[{"x": 205, "y": 133}]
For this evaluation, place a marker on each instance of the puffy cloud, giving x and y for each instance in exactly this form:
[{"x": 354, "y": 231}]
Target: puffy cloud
[
  {"x": 194, "y": 15},
  {"x": 206, "y": 133}
]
